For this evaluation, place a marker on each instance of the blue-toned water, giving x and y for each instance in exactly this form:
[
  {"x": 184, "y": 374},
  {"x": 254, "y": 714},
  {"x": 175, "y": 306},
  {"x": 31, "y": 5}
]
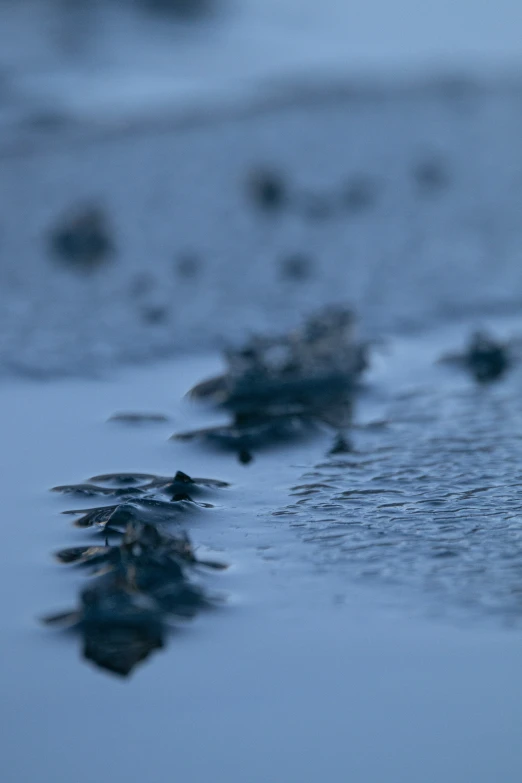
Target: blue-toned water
[{"x": 370, "y": 629}]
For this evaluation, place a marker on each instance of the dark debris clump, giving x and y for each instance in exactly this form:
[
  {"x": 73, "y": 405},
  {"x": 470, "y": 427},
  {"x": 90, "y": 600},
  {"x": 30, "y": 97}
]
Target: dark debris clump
[
  {"x": 485, "y": 357},
  {"x": 276, "y": 388},
  {"x": 143, "y": 583}
]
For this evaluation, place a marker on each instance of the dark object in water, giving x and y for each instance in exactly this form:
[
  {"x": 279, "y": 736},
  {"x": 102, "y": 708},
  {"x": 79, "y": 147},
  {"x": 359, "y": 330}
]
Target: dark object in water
[
  {"x": 120, "y": 627},
  {"x": 296, "y": 267},
  {"x": 277, "y": 388},
  {"x": 150, "y": 509},
  {"x": 137, "y": 534},
  {"x": 113, "y": 517},
  {"x": 128, "y": 417},
  {"x": 82, "y": 239},
  {"x": 305, "y": 369},
  {"x": 92, "y": 490},
  {"x": 122, "y": 478},
  {"x": 180, "y": 484},
  {"x": 486, "y": 358},
  {"x": 250, "y": 432},
  {"x": 122, "y": 618},
  {"x": 268, "y": 190},
  {"x": 341, "y": 445}
]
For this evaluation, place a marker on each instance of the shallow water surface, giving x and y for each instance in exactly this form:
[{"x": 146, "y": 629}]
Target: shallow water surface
[{"x": 368, "y": 628}]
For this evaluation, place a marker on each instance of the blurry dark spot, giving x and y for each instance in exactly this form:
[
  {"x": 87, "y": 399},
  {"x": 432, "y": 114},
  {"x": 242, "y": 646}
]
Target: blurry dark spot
[
  {"x": 141, "y": 284},
  {"x": 155, "y": 315},
  {"x": 296, "y": 267},
  {"x": 431, "y": 175},
  {"x": 268, "y": 190},
  {"x": 486, "y": 358},
  {"x": 138, "y": 418},
  {"x": 82, "y": 239},
  {"x": 245, "y": 457},
  {"x": 341, "y": 445},
  {"x": 188, "y": 265},
  {"x": 359, "y": 194}
]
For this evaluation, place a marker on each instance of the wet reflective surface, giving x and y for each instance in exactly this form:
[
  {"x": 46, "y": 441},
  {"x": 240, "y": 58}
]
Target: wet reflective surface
[{"x": 302, "y": 631}]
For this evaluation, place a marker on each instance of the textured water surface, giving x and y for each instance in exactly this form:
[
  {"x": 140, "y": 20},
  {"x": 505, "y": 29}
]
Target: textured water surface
[{"x": 430, "y": 497}]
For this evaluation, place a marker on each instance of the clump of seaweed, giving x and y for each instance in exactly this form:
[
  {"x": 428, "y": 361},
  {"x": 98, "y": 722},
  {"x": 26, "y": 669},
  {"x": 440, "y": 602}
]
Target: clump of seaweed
[
  {"x": 277, "y": 388},
  {"x": 143, "y": 584}
]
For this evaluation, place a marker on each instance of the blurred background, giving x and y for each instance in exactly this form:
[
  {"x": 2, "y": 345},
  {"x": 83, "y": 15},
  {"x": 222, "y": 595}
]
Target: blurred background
[
  {"x": 136, "y": 137},
  {"x": 109, "y": 54}
]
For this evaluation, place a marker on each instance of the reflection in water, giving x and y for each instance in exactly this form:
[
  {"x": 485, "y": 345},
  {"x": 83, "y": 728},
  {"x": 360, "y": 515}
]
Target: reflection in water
[{"x": 144, "y": 583}]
